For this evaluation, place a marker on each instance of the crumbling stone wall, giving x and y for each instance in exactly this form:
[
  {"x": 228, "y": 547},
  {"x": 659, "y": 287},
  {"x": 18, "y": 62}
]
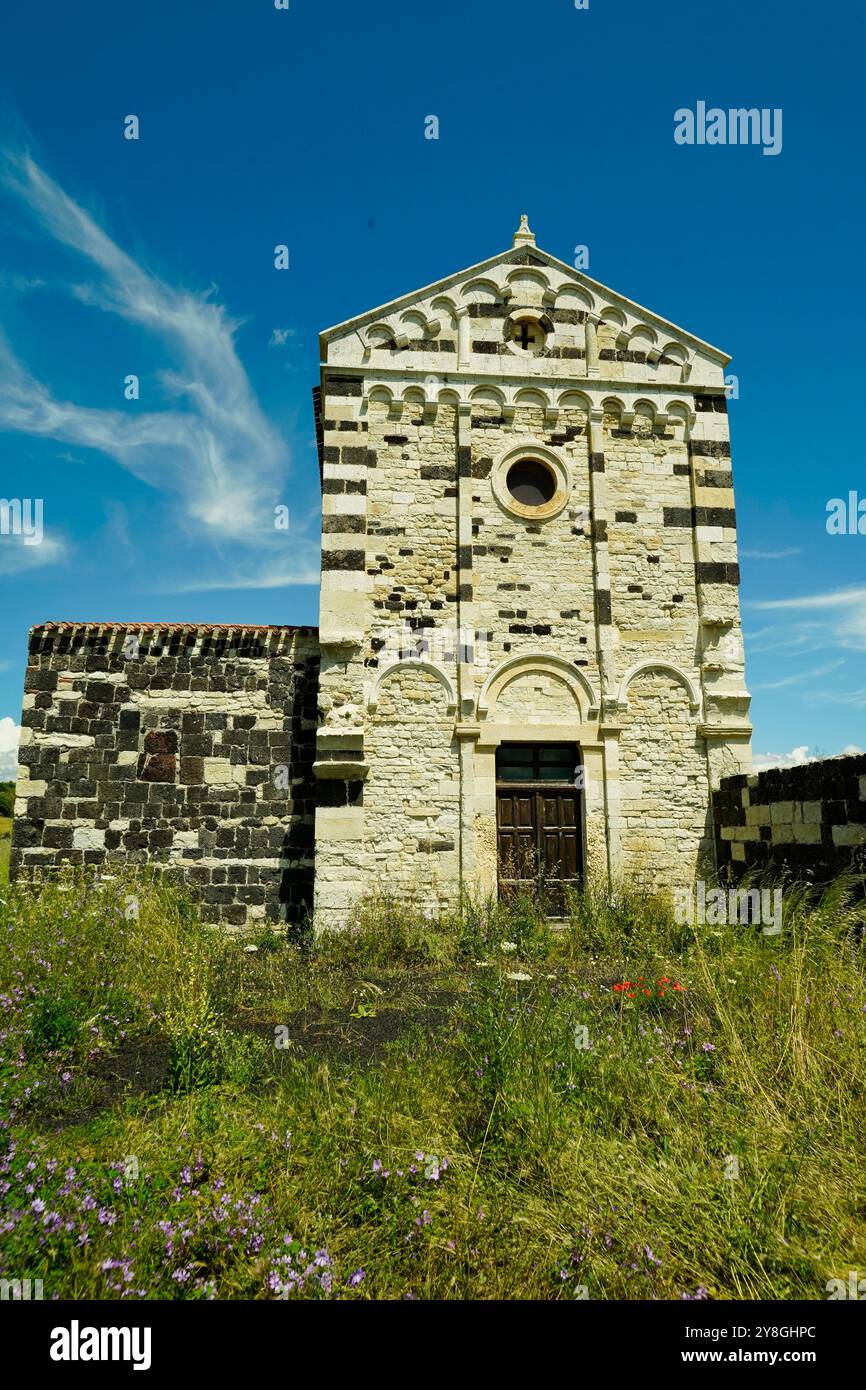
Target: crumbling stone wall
[
  {"x": 808, "y": 821},
  {"x": 189, "y": 745}
]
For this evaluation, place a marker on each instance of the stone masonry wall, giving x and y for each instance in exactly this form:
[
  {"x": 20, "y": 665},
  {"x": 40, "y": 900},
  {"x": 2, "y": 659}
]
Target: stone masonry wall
[
  {"x": 664, "y": 792},
  {"x": 182, "y": 744},
  {"x": 809, "y": 821},
  {"x": 412, "y": 796},
  {"x": 608, "y": 617}
]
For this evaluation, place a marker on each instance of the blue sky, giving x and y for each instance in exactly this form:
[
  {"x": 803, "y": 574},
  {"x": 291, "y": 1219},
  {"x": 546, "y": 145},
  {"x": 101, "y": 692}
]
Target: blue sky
[{"x": 306, "y": 127}]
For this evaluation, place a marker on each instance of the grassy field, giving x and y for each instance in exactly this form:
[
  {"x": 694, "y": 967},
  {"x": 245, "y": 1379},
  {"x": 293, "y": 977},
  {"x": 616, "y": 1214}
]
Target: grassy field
[
  {"x": 5, "y": 842},
  {"x": 469, "y": 1109}
]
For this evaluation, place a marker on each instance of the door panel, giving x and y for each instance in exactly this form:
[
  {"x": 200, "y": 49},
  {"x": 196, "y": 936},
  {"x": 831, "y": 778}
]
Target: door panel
[{"x": 539, "y": 824}]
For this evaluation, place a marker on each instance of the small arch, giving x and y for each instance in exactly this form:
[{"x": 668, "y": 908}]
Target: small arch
[
  {"x": 681, "y": 413},
  {"x": 671, "y": 670},
  {"x": 480, "y": 291},
  {"x": 574, "y": 400},
  {"x": 413, "y": 318},
  {"x": 642, "y": 332},
  {"x": 524, "y": 276},
  {"x": 443, "y": 305},
  {"x": 574, "y": 297},
  {"x": 487, "y": 395},
  {"x": 531, "y": 397},
  {"x": 412, "y": 663},
  {"x": 382, "y": 394},
  {"x": 525, "y": 662},
  {"x": 381, "y": 335}
]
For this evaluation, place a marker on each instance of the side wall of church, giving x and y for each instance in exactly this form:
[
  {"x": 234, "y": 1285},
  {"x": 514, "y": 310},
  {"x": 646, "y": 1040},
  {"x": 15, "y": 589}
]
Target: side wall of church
[{"x": 188, "y": 746}]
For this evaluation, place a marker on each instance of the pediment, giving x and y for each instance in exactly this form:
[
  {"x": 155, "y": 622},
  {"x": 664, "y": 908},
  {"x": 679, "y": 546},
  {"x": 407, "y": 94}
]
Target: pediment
[{"x": 523, "y": 276}]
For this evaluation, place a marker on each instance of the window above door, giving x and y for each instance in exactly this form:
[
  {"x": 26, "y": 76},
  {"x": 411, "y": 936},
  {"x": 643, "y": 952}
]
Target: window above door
[{"x": 536, "y": 762}]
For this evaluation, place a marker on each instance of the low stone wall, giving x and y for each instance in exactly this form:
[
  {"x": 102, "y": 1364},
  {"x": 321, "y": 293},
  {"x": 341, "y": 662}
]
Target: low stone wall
[
  {"x": 191, "y": 745},
  {"x": 809, "y": 820}
]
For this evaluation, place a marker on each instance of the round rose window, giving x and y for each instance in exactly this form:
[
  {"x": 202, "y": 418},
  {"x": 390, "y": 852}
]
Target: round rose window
[{"x": 530, "y": 482}]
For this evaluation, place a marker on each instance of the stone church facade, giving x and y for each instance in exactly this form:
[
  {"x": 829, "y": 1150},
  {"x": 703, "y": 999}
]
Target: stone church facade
[{"x": 529, "y": 663}]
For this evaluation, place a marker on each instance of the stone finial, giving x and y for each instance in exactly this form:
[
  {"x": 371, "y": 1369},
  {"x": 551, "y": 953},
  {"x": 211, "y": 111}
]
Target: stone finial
[{"x": 523, "y": 236}]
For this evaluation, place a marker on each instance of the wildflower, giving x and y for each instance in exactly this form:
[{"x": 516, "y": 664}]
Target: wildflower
[
  {"x": 356, "y": 1278},
  {"x": 708, "y": 1047},
  {"x": 517, "y": 975},
  {"x": 508, "y": 946}
]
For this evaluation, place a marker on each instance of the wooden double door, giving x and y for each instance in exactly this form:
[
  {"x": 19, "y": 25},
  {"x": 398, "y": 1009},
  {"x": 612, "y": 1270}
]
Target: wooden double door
[{"x": 539, "y": 821}]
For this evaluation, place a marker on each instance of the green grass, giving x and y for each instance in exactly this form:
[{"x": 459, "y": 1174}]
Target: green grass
[
  {"x": 5, "y": 844},
  {"x": 393, "y": 1114}
]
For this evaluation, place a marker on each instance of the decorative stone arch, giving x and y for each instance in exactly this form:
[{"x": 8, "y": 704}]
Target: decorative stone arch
[
  {"x": 382, "y": 334},
  {"x": 480, "y": 291},
  {"x": 614, "y": 406},
  {"x": 525, "y": 276},
  {"x": 381, "y": 395},
  {"x": 571, "y": 296},
  {"x": 675, "y": 351},
  {"x": 526, "y": 662},
  {"x": 612, "y": 325},
  {"x": 641, "y": 338},
  {"x": 416, "y": 318},
  {"x": 648, "y": 409},
  {"x": 412, "y": 663},
  {"x": 486, "y": 396},
  {"x": 670, "y": 669},
  {"x": 681, "y": 415},
  {"x": 574, "y": 400},
  {"x": 532, "y": 396},
  {"x": 445, "y": 307}
]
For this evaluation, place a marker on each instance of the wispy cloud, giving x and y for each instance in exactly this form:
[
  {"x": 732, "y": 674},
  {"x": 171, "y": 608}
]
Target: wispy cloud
[
  {"x": 10, "y": 734},
  {"x": 281, "y": 337},
  {"x": 800, "y": 677},
  {"x": 302, "y": 569},
  {"x": 215, "y": 452},
  {"x": 16, "y": 557},
  {"x": 833, "y": 619}
]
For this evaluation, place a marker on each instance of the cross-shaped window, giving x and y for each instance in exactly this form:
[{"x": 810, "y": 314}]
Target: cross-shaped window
[{"x": 523, "y": 334}]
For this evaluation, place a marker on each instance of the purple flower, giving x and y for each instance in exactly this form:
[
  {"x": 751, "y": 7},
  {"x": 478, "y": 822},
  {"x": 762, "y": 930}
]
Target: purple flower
[{"x": 356, "y": 1278}]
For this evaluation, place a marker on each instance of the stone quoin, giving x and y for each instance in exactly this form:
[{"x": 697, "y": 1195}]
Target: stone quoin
[{"x": 529, "y": 571}]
